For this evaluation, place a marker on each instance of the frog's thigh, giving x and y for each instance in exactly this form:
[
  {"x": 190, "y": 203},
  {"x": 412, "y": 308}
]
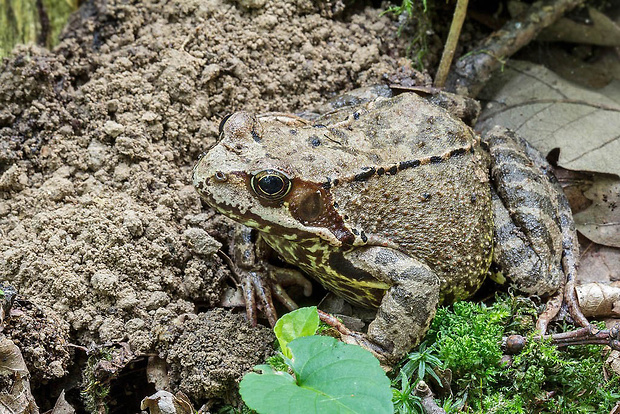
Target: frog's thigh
[
  {"x": 528, "y": 237},
  {"x": 408, "y": 306}
]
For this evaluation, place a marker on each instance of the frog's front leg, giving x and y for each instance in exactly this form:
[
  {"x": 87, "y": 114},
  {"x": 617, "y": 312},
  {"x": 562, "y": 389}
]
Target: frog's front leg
[
  {"x": 535, "y": 240},
  {"x": 259, "y": 279},
  {"x": 408, "y": 306}
]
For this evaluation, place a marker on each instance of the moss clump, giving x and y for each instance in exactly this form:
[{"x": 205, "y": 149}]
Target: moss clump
[
  {"x": 94, "y": 388},
  {"x": 540, "y": 379}
]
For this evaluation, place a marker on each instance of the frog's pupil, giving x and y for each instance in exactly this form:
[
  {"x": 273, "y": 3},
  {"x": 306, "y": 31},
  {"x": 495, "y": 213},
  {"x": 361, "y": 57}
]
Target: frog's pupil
[{"x": 271, "y": 184}]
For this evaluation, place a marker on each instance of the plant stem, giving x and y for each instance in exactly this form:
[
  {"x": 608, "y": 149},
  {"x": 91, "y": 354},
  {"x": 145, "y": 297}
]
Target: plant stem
[{"x": 453, "y": 36}]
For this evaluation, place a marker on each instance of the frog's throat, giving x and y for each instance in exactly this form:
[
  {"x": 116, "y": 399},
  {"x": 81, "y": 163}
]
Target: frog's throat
[{"x": 330, "y": 267}]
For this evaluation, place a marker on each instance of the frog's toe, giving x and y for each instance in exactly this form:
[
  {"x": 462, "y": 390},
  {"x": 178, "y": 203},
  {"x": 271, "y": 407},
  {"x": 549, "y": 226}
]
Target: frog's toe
[
  {"x": 259, "y": 291},
  {"x": 356, "y": 338},
  {"x": 255, "y": 287},
  {"x": 574, "y": 310},
  {"x": 570, "y": 294},
  {"x": 285, "y": 277},
  {"x": 553, "y": 306},
  {"x": 349, "y": 336},
  {"x": 566, "y": 298}
]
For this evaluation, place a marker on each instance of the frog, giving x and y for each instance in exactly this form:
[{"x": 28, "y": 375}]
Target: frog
[{"x": 394, "y": 204}]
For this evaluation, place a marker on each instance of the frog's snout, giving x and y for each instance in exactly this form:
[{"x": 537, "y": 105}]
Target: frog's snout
[{"x": 202, "y": 173}]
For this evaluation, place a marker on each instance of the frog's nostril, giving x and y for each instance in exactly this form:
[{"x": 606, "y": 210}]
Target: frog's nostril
[{"x": 220, "y": 177}]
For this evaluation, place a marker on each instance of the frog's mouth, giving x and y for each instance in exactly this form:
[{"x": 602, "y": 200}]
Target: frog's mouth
[{"x": 256, "y": 221}]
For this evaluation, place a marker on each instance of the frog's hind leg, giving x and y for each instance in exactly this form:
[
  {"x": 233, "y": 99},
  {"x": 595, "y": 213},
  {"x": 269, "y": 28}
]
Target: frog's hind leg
[{"x": 535, "y": 239}]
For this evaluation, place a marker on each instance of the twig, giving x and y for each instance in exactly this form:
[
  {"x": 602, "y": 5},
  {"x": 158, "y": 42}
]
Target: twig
[
  {"x": 589, "y": 335},
  {"x": 473, "y": 70},
  {"x": 453, "y": 36},
  {"x": 428, "y": 402}
]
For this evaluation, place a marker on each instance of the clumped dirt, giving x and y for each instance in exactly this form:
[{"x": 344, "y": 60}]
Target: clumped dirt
[
  {"x": 100, "y": 225},
  {"x": 207, "y": 352}
]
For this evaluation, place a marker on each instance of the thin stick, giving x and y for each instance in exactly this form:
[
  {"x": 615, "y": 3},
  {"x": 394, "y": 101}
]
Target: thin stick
[{"x": 453, "y": 37}]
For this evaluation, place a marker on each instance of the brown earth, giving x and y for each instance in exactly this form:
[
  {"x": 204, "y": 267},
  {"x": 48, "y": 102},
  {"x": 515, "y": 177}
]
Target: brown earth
[{"x": 102, "y": 231}]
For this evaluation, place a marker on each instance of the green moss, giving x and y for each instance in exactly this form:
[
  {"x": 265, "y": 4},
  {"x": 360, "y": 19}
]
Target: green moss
[
  {"x": 541, "y": 379},
  {"x": 94, "y": 389}
]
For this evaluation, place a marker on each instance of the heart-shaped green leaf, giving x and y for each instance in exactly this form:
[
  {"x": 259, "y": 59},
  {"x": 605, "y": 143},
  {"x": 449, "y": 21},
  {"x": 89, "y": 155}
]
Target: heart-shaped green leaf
[
  {"x": 330, "y": 377},
  {"x": 295, "y": 324}
]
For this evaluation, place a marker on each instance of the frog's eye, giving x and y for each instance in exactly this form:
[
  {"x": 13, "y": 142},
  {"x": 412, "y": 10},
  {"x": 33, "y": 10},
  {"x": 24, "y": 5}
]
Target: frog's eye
[
  {"x": 270, "y": 184},
  {"x": 222, "y": 122}
]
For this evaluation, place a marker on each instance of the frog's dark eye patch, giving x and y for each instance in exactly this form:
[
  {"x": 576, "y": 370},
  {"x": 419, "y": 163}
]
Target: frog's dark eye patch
[
  {"x": 270, "y": 184},
  {"x": 222, "y": 122},
  {"x": 310, "y": 208}
]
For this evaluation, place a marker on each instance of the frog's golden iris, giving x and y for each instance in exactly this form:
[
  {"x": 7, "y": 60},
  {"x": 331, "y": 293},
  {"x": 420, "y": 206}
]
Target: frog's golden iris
[{"x": 270, "y": 184}]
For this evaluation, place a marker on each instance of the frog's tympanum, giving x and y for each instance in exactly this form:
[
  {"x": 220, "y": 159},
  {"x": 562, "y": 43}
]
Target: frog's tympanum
[{"x": 394, "y": 204}]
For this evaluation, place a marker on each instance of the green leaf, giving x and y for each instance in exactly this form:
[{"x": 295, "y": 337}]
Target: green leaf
[
  {"x": 330, "y": 377},
  {"x": 295, "y": 324}
]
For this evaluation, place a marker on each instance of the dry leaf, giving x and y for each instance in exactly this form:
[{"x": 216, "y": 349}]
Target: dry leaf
[
  {"x": 613, "y": 361},
  {"x": 599, "y": 299},
  {"x": 552, "y": 113},
  {"x": 11, "y": 360},
  {"x": 61, "y": 406},
  {"x": 599, "y": 264},
  {"x": 594, "y": 72},
  {"x": 17, "y": 398},
  {"x": 600, "y": 222},
  {"x": 599, "y": 30}
]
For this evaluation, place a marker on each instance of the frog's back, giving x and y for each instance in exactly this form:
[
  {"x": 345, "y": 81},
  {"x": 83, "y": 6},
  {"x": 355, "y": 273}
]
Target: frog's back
[{"x": 424, "y": 187}]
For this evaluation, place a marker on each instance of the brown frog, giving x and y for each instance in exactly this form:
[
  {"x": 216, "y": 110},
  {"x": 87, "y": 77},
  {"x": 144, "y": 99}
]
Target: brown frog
[{"x": 393, "y": 204}]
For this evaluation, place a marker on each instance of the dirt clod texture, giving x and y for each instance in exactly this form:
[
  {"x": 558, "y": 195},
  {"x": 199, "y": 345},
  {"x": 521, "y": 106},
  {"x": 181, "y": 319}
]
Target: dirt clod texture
[
  {"x": 207, "y": 351},
  {"x": 99, "y": 222}
]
